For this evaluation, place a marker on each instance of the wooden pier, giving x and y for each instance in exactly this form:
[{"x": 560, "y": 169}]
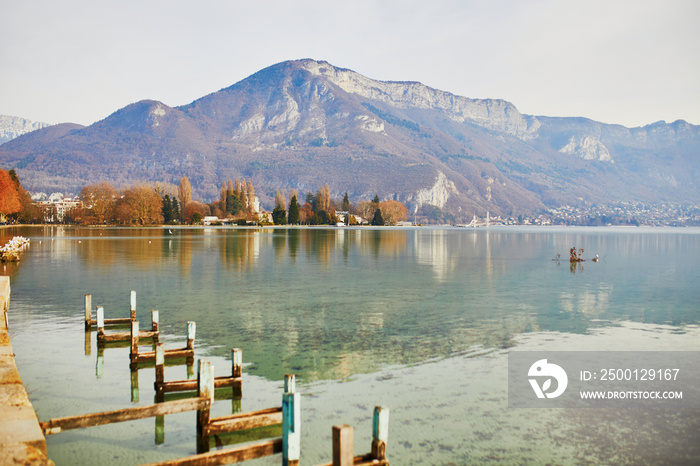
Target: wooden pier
[
  {"x": 89, "y": 322},
  {"x": 202, "y": 399},
  {"x": 137, "y": 357}
]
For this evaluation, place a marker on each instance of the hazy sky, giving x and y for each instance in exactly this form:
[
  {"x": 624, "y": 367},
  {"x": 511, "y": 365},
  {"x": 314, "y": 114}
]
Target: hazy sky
[{"x": 631, "y": 62}]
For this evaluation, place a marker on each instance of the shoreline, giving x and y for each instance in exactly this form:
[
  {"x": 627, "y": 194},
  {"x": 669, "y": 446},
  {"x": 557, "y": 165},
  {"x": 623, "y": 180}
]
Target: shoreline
[{"x": 21, "y": 438}]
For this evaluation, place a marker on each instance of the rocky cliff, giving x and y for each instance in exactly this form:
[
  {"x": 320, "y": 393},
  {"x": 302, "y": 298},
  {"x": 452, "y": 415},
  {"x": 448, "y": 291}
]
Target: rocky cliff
[{"x": 12, "y": 126}]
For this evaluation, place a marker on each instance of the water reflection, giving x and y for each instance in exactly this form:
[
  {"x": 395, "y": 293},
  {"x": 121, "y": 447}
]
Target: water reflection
[{"x": 329, "y": 303}]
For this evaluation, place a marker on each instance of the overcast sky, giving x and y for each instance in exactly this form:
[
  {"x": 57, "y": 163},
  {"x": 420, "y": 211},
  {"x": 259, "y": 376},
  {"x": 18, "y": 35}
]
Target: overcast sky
[{"x": 631, "y": 62}]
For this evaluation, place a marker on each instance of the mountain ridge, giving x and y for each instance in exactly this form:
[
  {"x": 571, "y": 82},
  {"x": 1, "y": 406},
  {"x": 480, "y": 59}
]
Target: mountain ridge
[{"x": 299, "y": 124}]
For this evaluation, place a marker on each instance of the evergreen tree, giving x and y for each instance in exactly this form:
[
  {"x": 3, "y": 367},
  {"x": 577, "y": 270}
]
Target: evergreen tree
[
  {"x": 378, "y": 220},
  {"x": 293, "y": 217},
  {"x": 167, "y": 209},
  {"x": 345, "y": 206},
  {"x": 376, "y": 199},
  {"x": 279, "y": 216},
  {"x": 176, "y": 208}
]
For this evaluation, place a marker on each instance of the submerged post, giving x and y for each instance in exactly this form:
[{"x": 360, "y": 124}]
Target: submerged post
[
  {"x": 380, "y": 432},
  {"x": 88, "y": 311},
  {"x": 134, "y": 385},
  {"x": 343, "y": 445},
  {"x": 160, "y": 372},
  {"x": 100, "y": 364},
  {"x": 291, "y": 423},
  {"x": 205, "y": 389},
  {"x": 132, "y": 304}
]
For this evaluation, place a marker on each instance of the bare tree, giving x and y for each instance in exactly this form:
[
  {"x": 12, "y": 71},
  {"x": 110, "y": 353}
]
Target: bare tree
[{"x": 184, "y": 192}]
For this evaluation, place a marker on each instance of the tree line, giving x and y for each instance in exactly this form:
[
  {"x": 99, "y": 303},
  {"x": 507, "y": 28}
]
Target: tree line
[
  {"x": 165, "y": 203},
  {"x": 320, "y": 209}
]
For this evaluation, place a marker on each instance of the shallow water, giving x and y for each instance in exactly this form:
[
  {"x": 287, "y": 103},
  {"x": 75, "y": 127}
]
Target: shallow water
[{"x": 420, "y": 320}]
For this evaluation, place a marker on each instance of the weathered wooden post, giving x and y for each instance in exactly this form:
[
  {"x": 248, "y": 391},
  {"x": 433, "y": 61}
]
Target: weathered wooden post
[
  {"x": 380, "y": 432},
  {"x": 236, "y": 362},
  {"x": 88, "y": 342},
  {"x": 191, "y": 330},
  {"x": 132, "y": 302},
  {"x": 205, "y": 389},
  {"x": 100, "y": 322},
  {"x": 154, "y": 322},
  {"x": 237, "y": 372},
  {"x": 291, "y": 422},
  {"x": 343, "y": 445},
  {"x": 160, "y": 372},
  {"x": 134, "y": 352},
  {"x": 88, "y": 311}
]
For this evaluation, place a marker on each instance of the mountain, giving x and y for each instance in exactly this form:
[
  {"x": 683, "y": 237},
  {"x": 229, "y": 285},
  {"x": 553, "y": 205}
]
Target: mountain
[
  {"x": 300, "y": 124},
  {"x": 12, "y": 126}
]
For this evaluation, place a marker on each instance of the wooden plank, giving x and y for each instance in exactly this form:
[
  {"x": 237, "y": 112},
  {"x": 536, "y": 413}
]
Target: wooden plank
[
  {"x": 55, "y": 426},
  {"x": 150, "y": 356},
  {"x": 124, "y": 336},
  {"x": 244, "y": 421},
  {"x": 191, "y": 385},
  {"x": 228, "y": 456}
]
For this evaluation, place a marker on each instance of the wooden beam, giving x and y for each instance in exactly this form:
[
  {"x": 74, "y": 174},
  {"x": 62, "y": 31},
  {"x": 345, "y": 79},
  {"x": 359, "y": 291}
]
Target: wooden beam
[
  {"x": 124, "y": 336},
  {"x": 191, "y": 385},
  {"x": 244, "y": 421},
  {"x": 228, "y": 456},
  {"x": 55, "y": 426}
]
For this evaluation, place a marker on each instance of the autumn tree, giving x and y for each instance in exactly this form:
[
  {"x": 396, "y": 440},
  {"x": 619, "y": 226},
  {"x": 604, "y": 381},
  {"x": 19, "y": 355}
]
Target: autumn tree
[
  {"x": 99, "y": 200},
  {"x": 366, "y": 209},
  {"x": 251, "y": 198},
  {"x": 9, "y": 198},
  {"x": 393, "y": 212},
  {"x": 140, "y": 204},
  {"x": 195, "y": 211},
  {"x": 184, "y": 192},
  {"x": 27, "y": 212},
  {"x": 324, "y": 198}
]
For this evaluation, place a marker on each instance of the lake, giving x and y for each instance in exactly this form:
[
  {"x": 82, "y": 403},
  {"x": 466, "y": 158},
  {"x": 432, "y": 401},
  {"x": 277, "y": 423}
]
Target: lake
[{"x": 420, "y": 320}]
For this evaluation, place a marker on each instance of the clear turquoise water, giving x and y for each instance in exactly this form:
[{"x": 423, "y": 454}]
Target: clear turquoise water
[{"x": 419, "y": 320}]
